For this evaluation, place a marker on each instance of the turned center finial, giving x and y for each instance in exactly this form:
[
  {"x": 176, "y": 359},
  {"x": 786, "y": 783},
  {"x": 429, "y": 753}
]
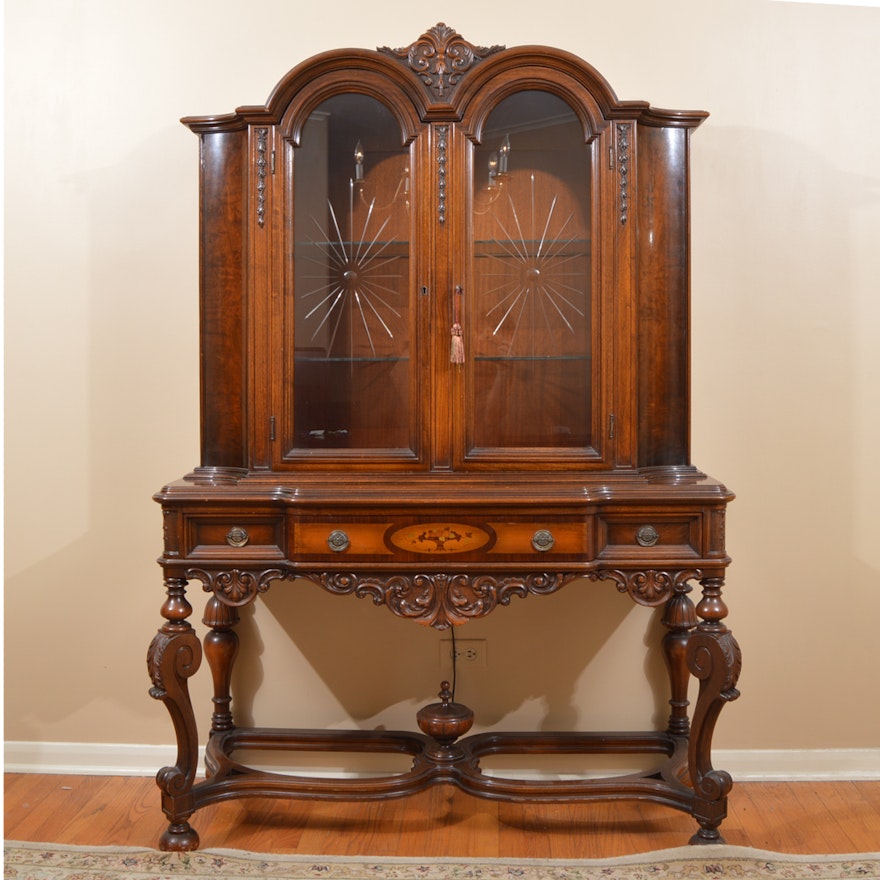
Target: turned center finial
[{"x": 445, "y": 722}]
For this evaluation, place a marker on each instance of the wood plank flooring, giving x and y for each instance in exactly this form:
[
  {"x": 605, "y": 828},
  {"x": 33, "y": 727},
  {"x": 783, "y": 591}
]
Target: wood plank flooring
[{"x": 805, "y": 817}]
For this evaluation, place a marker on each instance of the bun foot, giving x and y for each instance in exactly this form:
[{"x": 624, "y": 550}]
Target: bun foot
[
  {"x": 707, "y": 836},
  {"x": 179, "y": 837}
]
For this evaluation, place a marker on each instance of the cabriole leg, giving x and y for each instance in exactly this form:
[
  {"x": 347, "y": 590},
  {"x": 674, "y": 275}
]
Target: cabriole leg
[
  {"x": 714, "y": 658},
  {"x": 175, "y": 655}
]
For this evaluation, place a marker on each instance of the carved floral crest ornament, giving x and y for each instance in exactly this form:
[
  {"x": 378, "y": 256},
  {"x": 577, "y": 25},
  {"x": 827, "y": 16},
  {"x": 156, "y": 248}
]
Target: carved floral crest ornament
[
  {"x": 440, "y": 57},
  {"x": 351, "y": 439}
]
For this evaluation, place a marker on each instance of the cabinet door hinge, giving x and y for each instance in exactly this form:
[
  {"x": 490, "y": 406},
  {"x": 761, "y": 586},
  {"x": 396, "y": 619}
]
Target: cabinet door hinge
[
  {"x": 272, "y": 428},
  {"x": 611, "y": 426},
  {"x": 272, "y": 162}
]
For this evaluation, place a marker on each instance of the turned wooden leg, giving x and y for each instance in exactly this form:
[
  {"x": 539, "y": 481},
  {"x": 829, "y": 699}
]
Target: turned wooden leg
[
  {"x": 679, "y": 617},
  {"x": 175, "y": 655},
  {"x": 714, "y": 658},
  {"x": 221, "y": 649}
]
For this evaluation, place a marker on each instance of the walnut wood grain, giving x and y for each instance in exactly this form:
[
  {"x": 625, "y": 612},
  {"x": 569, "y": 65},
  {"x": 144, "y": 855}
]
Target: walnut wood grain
[{"x": 443, "y": 487}]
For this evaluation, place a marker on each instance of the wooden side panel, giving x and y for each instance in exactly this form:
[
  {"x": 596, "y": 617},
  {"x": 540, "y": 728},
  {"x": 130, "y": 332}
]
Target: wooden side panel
[
  {"x": 222, "y": 303},
  {"x": 663, "y": 294}
]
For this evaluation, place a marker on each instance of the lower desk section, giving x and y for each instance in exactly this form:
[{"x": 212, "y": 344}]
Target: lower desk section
[{"x": 442, "y": 565}]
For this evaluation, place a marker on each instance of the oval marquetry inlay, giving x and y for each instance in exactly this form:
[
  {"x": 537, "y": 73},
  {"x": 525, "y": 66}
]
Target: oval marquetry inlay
[{"x": 440, "y": 537}]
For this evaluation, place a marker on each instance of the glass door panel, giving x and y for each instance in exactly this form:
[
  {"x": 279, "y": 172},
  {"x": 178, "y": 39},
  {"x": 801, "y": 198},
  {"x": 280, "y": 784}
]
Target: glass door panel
[
  {"x": 352, "y": 377},
  {"x": 530, "y": 315}
]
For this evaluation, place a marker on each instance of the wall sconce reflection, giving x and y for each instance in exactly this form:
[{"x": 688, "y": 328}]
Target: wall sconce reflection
[
  {"x": 498, "y": 165},
  {"x": 360, "y": 181},
  {"x": 359, "y": 161}
]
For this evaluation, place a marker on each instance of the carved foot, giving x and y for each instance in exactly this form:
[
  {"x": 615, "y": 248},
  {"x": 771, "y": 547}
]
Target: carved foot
[
  {"x": 707, "y": 836},
  {"x": 179, "y": 837}
]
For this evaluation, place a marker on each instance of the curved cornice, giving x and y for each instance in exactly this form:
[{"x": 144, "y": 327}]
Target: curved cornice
[{"x": 441, "y": 73}]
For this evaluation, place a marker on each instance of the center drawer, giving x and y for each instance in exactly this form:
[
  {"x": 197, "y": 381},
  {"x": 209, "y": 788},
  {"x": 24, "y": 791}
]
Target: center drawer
[{"x": 433, "y": 539}]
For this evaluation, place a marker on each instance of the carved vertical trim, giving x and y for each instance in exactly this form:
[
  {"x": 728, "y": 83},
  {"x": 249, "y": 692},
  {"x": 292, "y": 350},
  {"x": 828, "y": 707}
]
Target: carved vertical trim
[
  {"x": 623, "y": 132},
  {"x": 442, "y": 145},
  {"x": 170, "y": 533},
  {"x": 262, "y": 165},
  {"x": 718, "y": 541}
]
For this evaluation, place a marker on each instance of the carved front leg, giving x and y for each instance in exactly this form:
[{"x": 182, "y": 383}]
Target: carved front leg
[
  {"x": 714, "y": 658},
  {"x": 175, "y": 655},
  {"x": 221, "y": 649},
  {"x": 679, "y": 617}
]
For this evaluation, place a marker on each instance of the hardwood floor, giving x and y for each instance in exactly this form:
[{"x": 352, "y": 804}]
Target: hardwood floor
[{"x": 801, "y": 817}]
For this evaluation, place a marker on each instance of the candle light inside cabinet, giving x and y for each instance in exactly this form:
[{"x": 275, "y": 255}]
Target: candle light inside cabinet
[
  {"x": 505, "y": 150},
  {"x": 493, "y": 168},
  {"x": 358, "y": 161}
]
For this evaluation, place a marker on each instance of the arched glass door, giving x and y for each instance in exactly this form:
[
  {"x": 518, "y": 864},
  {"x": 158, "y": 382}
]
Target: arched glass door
[
  {"x": 530, "y": 310},
  {"x": 352, "y": 311}
]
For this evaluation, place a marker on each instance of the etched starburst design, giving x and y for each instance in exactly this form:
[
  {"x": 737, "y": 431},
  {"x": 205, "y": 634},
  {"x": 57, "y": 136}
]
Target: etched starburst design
[
  {"x": 539, "y": 275},
  {"x": 350, "y": 302}
]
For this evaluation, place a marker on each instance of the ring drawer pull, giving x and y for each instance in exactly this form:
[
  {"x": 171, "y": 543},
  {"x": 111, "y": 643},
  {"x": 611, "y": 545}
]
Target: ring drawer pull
[
  {"x": 338, "y": 541},
  {"x": 237, "y": 537},
  {"x": 647, "y": 536},
  {"x": 543, "y": 540}
]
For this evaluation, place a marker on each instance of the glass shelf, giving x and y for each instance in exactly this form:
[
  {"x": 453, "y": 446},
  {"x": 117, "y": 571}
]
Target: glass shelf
[
  {"x": 536, "y": 357},
  {"x": 320, "y": 359}
]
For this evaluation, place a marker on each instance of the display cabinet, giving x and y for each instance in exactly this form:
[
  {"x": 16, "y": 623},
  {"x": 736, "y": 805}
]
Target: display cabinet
[{"x": 444, "y": 363}]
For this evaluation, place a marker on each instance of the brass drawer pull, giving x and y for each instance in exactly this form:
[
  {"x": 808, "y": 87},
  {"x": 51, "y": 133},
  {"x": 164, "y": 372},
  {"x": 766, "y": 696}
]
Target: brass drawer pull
[
  {"x": 237, "y": 537},
  {"x": 647, "y": 536},
  {"x": 543, "y": 540},
  {"x": 338, "y": 541}
]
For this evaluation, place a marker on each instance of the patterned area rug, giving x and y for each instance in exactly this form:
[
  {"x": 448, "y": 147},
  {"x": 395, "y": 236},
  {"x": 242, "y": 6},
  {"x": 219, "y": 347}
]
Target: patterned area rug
[{"x": 37, "y": 861}]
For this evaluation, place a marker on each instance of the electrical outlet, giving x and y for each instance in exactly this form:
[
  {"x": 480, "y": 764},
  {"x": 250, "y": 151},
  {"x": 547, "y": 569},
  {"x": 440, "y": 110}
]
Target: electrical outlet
[{"x": 470, "y": 653}]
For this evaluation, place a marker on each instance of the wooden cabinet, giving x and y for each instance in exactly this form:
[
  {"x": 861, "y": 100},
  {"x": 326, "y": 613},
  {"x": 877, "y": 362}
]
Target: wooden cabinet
[{"x": 444, "y": 354}]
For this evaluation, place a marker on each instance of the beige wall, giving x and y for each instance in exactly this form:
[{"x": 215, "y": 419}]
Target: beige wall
[{"x": 101, "y": 292}]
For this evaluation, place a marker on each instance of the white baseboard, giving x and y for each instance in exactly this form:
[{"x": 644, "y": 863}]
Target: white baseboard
[
  {"x": 87, "y": 759},
  {"x": 745, "y": 765},
  {"x": 798, "y": 765}
]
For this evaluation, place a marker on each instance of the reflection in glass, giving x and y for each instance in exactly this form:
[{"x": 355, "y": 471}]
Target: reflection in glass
[
  {"x": 531, "y": 321},
  {"x": 351, "y": 258}
]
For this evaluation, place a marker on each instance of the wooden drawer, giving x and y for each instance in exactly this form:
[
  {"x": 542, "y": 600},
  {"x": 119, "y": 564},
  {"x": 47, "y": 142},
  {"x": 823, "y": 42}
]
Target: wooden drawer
[
  {"x": 234, "y": 537},
  {"x": 541, "y": 538},
  {"x": 434, "y": 539},
  {"x": 340, "y": 538},
  {"x": 629, "y": 535}
]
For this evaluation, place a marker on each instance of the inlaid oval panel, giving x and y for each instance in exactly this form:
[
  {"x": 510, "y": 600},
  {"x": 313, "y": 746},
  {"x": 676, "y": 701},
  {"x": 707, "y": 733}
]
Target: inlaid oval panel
[{"x": 440, "y": 537}]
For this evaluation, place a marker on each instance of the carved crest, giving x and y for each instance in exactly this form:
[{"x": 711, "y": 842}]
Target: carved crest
[
  {"x": 236, "y": 587},
  {"x": 649, "y": 587},
  {"x": 440, "y": 58},
  {"x": 439, "y": 600}
]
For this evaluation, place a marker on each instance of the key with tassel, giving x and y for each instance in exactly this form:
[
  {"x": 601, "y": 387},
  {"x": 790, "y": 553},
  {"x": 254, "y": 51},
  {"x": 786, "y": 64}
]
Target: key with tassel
[{"x": 456, "y": 349}]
